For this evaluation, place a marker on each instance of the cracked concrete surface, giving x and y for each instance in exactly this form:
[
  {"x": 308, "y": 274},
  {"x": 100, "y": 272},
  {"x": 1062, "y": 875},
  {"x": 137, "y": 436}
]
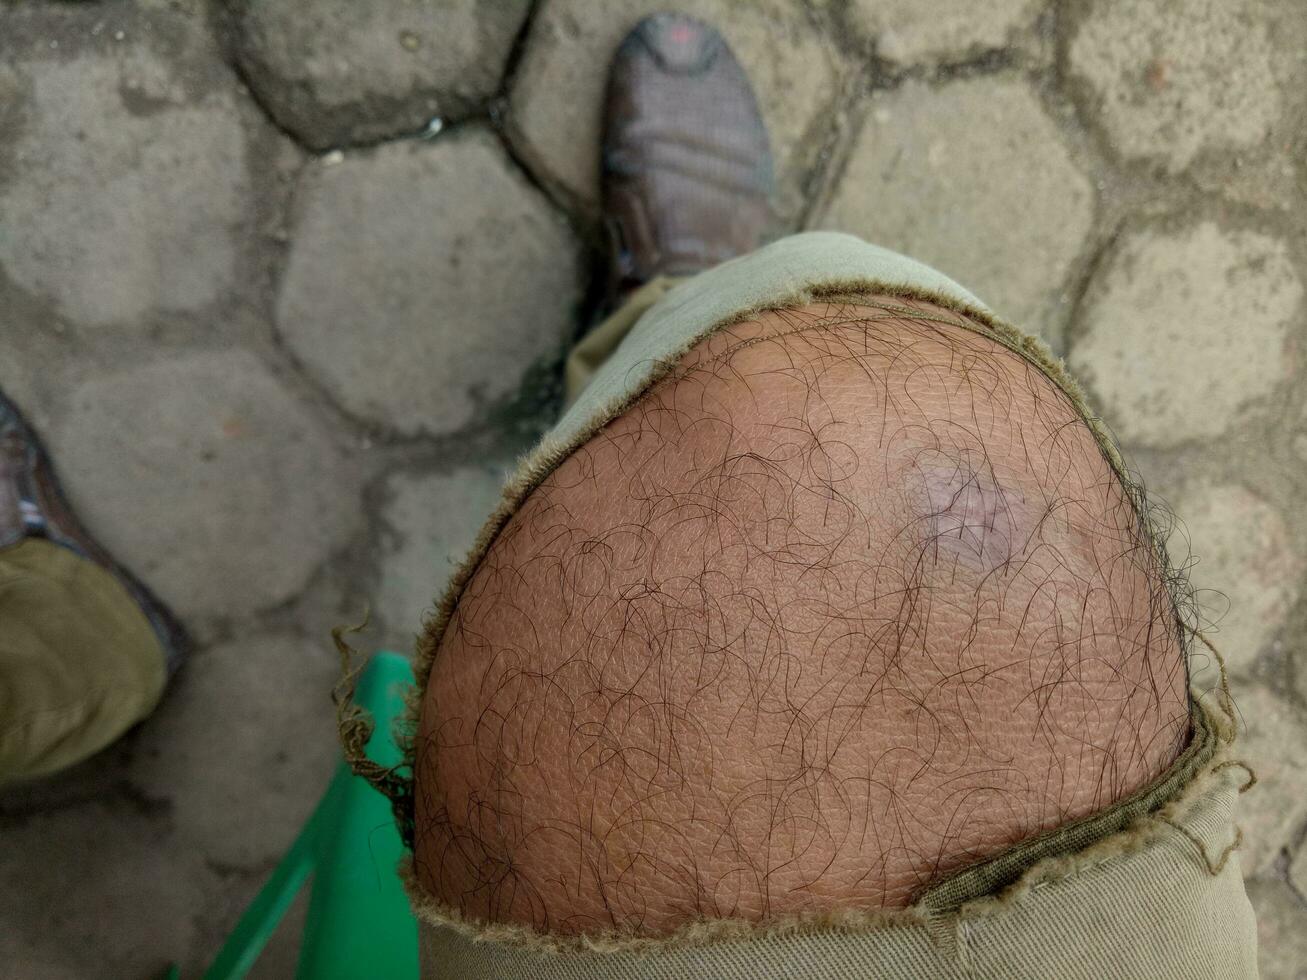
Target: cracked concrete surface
[{"x": 284, "y": 349}]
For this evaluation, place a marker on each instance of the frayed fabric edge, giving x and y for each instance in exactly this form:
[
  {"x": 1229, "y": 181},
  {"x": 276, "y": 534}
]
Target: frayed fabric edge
[
  {"x": 702, "y": 932},
  {"x": 1167, "y": 820}
]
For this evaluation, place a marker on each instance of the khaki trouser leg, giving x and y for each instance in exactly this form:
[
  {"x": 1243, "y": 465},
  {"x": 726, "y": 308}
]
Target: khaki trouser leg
[
  {"x": 598, "y": 345},
  {"x": 1150, "y": 887},
  {"x": 79, "y": 662}
]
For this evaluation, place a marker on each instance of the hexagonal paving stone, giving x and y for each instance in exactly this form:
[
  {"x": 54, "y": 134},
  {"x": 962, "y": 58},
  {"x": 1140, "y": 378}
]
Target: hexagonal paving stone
[
  {"x": 556, "y": 104},
  {"x": 1298, "y": 874},
  {"x": 1273, "y": 740},
  {"x": 436, "y": 518},
  {"x": 1246, "y": 573},
  {"x": 243, "y": 746},
  {"x": 89, "y": 874},
  {"x": 424, "y": 279},
  {"x": 972, "y": 178},
  {"x": 911, "y": 31},
  {"x": 125, "y": 177},
  {"x": 1184, "y": 332},
  {"x": 207, "y": 478},
  {"x": 1171, "y": 80},
  {"x": 337, "y": 71},
  {"x": 1298, "y": 438},
  {"x": 1281, "y": 929},
  {"x": 29, "y": 369}
]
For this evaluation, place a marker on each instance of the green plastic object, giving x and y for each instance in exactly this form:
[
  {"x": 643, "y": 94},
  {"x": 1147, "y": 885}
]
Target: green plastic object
[{"x": 359, "y": 923}]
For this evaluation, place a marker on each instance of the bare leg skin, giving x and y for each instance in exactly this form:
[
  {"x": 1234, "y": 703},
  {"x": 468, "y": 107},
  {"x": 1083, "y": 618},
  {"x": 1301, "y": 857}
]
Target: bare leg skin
[{"x": 848, "y": 602}]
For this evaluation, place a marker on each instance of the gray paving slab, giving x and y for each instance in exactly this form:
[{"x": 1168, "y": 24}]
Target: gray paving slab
[
  {"x": 243, "y": 746},
  {"x": 124, "y": 140},
  {"x": 908, "y": 32},
  {"x": 1171, "y": 81},
  {"x": 1243, "y": 567},
  {"x": 1158, "y": 346},
  {"x": 425, "y": 278},
  {"x": 207, "y": 478},
  {"x": 973, "y": 178},
  {"x": 1273, "y": 812},
  {"x": 1298, "y": 877},
  {"x": 337, "y": 72},
  {"x": 1281, "y": 929},
  {"x": 434, "y": 520},
  {"x": 104, "y": 887},
  {"x": 98, "y": 890}
]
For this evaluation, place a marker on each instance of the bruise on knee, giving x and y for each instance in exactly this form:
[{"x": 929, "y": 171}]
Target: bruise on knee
[{"x": 848, "y": 601}]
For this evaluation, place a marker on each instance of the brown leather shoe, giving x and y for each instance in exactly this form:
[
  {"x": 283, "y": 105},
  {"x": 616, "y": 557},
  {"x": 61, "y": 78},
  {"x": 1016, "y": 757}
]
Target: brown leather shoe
[
  {"x": 32, "y": 504},
  {"x": 687, "y": 170}
]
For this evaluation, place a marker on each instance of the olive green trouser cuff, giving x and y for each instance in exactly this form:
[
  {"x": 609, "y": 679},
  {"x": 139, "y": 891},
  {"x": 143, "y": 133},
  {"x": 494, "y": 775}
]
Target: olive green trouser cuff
[{"x": 79, "y": 662}]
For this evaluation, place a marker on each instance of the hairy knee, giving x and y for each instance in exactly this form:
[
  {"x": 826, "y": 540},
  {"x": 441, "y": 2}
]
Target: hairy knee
[{"x": 851, "y": 599}]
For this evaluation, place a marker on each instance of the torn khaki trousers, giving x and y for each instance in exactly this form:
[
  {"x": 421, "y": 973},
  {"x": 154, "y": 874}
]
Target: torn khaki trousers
[{"x": 1149, "y": 888}]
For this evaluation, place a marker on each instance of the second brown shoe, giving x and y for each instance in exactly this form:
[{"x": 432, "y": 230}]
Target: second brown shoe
[{"x": 687, "y": 169}]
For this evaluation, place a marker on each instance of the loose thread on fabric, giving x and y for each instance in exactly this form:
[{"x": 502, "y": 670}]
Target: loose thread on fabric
[
  {"x": 355, "y": 728},
  {"x": 1225, "y": 698},
  {"x": 1240, "y": 764},
  {"x": 1214, "y": 867}
]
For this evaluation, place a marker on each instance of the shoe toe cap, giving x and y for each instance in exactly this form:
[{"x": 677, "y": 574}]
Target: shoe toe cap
[{"x": 681, "y": 44}]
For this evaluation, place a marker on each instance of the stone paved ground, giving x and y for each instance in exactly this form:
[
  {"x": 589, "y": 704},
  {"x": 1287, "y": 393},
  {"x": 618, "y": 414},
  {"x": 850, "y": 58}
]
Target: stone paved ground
[{"x": 285, "y": 332}]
